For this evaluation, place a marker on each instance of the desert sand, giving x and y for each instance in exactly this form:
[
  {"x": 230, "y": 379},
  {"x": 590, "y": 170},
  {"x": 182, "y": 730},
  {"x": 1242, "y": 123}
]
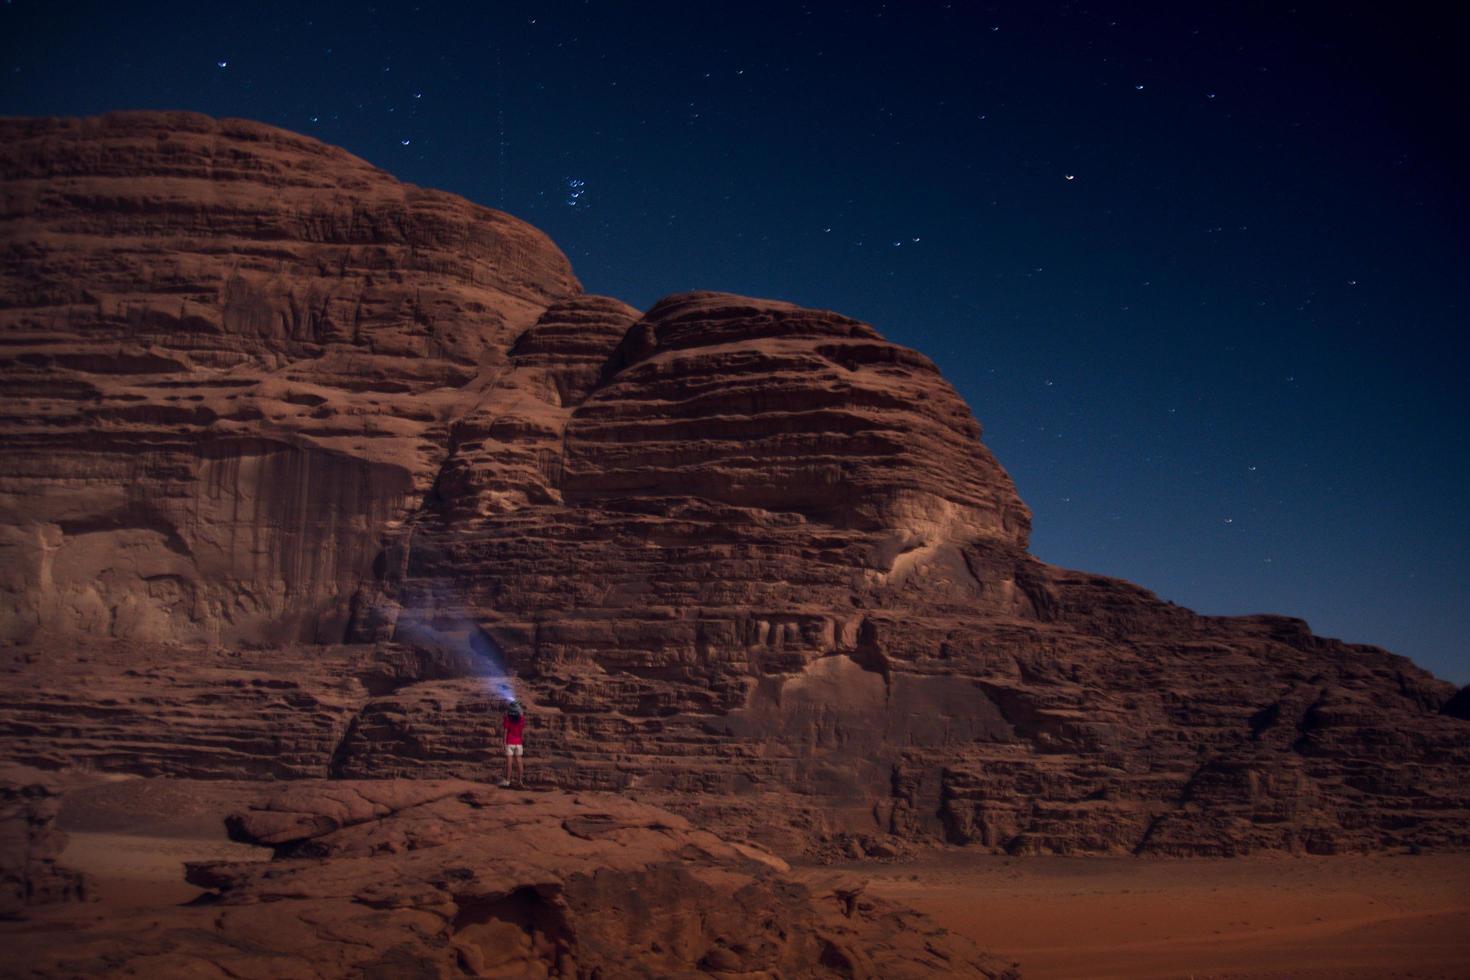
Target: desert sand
[
  {"x": 133, "y": 836},
  {"x": 1351, "y": 916},
  {"x": 1341, "y": 916},
  {"x": 1271, "y": 916}
]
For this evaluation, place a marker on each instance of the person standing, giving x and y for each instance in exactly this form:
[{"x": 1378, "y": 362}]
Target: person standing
[{"x": 513, "y": 728}]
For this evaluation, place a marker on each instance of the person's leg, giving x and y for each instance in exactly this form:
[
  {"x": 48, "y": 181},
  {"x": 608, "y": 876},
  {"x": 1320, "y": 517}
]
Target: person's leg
[
  {"x": 521, "y": 765},
  {"x": 507, "y": 764}
]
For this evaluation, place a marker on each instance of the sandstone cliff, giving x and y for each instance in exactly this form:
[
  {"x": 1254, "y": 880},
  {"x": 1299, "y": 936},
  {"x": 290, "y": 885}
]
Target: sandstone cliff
[
  {"x": 232, "y": 357},
  {"x": 304, "y": 467}
]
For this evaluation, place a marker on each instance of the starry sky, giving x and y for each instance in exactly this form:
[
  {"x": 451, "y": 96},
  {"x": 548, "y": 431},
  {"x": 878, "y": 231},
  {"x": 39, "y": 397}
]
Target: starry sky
[{"x": 1198, "y": 268}]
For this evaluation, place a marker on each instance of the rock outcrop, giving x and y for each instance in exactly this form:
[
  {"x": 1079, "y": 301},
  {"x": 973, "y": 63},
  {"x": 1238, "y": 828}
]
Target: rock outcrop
[
  {"x": 449, "y": 879},
  {"x": 31, "y": 871},
  {"x": 317, "y": 467}
]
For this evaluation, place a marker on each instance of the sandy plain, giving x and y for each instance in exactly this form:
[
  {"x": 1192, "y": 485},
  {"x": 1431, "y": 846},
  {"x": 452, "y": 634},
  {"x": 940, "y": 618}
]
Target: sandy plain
[
  {"x": 1352, "y": 917},
  {"x": 1348, "y": 916}
]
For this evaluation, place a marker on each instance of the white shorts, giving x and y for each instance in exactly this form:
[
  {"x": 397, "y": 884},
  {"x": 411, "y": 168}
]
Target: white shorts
[{"x": 513, "y": 750}]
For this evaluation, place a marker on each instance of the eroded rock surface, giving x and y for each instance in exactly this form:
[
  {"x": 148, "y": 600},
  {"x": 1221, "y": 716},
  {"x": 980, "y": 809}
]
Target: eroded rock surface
[
  {"x": 334, "y": 463},
  {"x": 440, "y": 878},
  {"x": 31, "y": 871},
  {"x": 231, "y": 356}
]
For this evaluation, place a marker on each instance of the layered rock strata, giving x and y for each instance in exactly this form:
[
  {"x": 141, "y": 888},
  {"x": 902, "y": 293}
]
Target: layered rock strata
[
  {"x": 231, "y": 357},
  {"x": 748, "y": 560}
]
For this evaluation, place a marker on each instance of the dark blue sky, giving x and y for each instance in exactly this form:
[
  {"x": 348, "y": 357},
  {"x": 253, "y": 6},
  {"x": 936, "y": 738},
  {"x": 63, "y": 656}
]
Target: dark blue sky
[{"x": 1198, "y": 269}]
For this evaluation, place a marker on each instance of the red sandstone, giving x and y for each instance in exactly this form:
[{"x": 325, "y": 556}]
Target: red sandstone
[{"x": 297, "y": 457}]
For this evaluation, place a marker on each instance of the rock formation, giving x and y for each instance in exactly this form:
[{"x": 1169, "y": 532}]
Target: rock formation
[
  {"x": 429, "y": 878},
  {"x": 306, "y": 467},
  {"x": 31, "y": 843},
  {"x": 232, "y": 359}
]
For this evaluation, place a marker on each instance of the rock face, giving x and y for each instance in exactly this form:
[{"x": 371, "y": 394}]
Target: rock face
[
  {"x": 323, "y": 466},
  {"x": 231, "y": 358}
]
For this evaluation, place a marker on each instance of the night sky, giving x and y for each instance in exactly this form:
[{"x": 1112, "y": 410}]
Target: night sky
[{"x": 1199, "y": 271}]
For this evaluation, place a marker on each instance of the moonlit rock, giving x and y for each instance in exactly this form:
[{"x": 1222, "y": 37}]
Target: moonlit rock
[{"x": 268, "y": 411}]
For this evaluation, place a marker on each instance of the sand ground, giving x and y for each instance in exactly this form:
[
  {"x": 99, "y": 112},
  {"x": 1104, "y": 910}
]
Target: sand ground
[
  {"x": 1351, "y": 917},
  {"x": 134, "y": 836},
  {"x": 1348, "y": 917},
  {"x": 1303, "y": 917}
]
